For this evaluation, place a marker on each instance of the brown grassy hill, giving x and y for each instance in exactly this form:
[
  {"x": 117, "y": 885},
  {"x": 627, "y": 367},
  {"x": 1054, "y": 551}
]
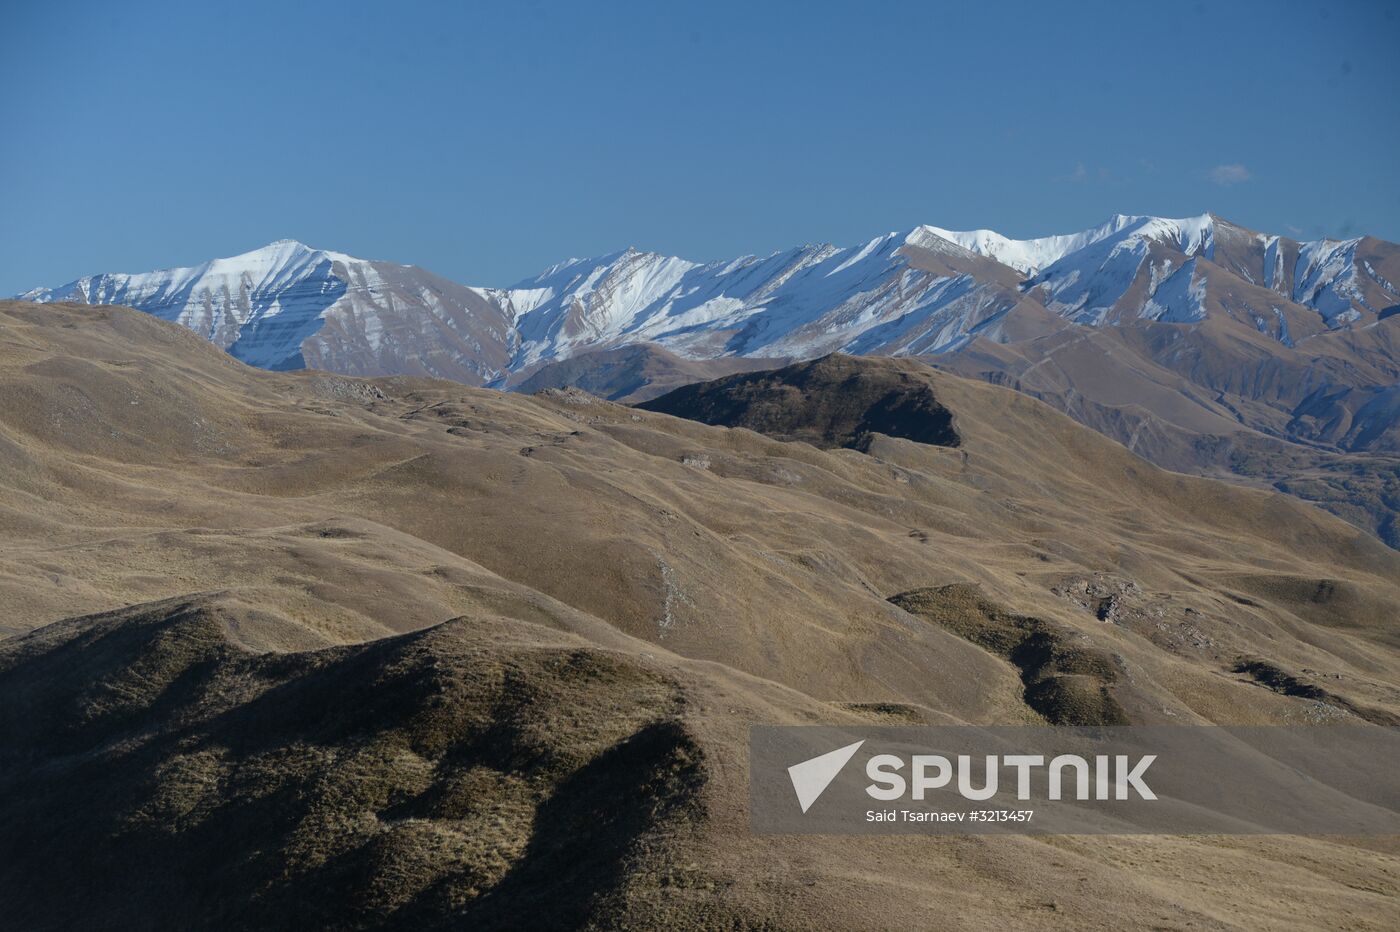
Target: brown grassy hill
[
  {"x": 460, "y": 771},
  {"x": 353, "y": 640},
  {"x": 835, "y": 401}
]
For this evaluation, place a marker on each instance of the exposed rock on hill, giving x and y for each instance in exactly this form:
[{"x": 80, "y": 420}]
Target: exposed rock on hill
[{"x": 835, "y": 401}]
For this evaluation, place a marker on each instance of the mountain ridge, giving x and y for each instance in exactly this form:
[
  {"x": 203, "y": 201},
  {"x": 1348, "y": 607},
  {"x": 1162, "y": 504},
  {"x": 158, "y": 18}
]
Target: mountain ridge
[{"x": 801, "y": 301}]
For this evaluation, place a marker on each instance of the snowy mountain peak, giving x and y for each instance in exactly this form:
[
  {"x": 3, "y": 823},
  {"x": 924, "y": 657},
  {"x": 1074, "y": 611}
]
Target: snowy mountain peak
[
  {"x": 287, "y": 250},
  {"x": 1029, "y": 256},
  {"x": 1191, "y": 235},
  {"x": 1088, "y": 283}
]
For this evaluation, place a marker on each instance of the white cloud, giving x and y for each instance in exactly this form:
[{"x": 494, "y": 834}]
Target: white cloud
[
  {"x": 1226, "y": 175},
  {"x": 1079, "y": 176}
]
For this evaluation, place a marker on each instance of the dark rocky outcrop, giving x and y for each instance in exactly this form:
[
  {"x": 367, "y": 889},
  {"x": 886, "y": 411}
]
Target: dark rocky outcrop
[
  {"x": 1065, "y": 682},
  {"x": 835, "y": 401}
]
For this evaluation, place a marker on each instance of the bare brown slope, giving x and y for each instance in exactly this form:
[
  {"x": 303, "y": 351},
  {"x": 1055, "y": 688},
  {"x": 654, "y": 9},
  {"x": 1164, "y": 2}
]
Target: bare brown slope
[
  {"x": 319, "y": 512},
  {"x": 419, "y": 324},
  {"x": 1223, "y": 400}
]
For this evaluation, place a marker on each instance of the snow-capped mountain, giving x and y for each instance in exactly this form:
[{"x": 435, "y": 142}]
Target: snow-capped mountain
[
  {"x": 289, "y": 306},
  {"x": 233, "y": 302},
  {"x": 925, "y": 291}
]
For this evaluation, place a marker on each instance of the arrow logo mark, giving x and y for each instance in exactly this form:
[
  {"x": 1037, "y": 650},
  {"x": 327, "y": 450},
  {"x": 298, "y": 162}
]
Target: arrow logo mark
[{"x": 811, "y": 777}]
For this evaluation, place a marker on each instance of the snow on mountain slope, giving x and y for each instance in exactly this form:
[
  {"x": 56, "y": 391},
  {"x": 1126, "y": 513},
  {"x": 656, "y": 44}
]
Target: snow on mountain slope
[
  {"x": 1325, "y": 279},
  {"x": 1029, "y": 256},
  {"x": 1179, "y": 299},
  {"x": 1088, "y": 284}
]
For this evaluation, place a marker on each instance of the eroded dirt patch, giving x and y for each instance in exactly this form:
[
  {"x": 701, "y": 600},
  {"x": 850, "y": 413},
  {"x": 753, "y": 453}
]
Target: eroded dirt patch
[{"x": 1065, "y": 682}]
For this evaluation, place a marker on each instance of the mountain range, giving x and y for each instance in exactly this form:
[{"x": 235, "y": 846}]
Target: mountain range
[
  {"x": 1201, "y": 345},
  {"x": 925, "y": 291}
]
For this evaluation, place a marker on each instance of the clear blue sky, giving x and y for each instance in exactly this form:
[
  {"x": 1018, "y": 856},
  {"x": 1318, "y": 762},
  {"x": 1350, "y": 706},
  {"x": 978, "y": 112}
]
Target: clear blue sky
[{"x": 486, "y": 142}]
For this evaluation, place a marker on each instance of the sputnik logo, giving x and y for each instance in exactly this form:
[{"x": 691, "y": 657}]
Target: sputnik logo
[{"x": 811, "y": 777}]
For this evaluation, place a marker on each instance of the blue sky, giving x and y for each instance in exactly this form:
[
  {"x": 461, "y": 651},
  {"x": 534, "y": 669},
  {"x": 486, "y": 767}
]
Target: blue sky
[{"x": 486, "y": 142}]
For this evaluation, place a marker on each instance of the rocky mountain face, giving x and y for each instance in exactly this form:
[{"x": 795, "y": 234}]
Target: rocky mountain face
[{"x": 1199, "y": 344}]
